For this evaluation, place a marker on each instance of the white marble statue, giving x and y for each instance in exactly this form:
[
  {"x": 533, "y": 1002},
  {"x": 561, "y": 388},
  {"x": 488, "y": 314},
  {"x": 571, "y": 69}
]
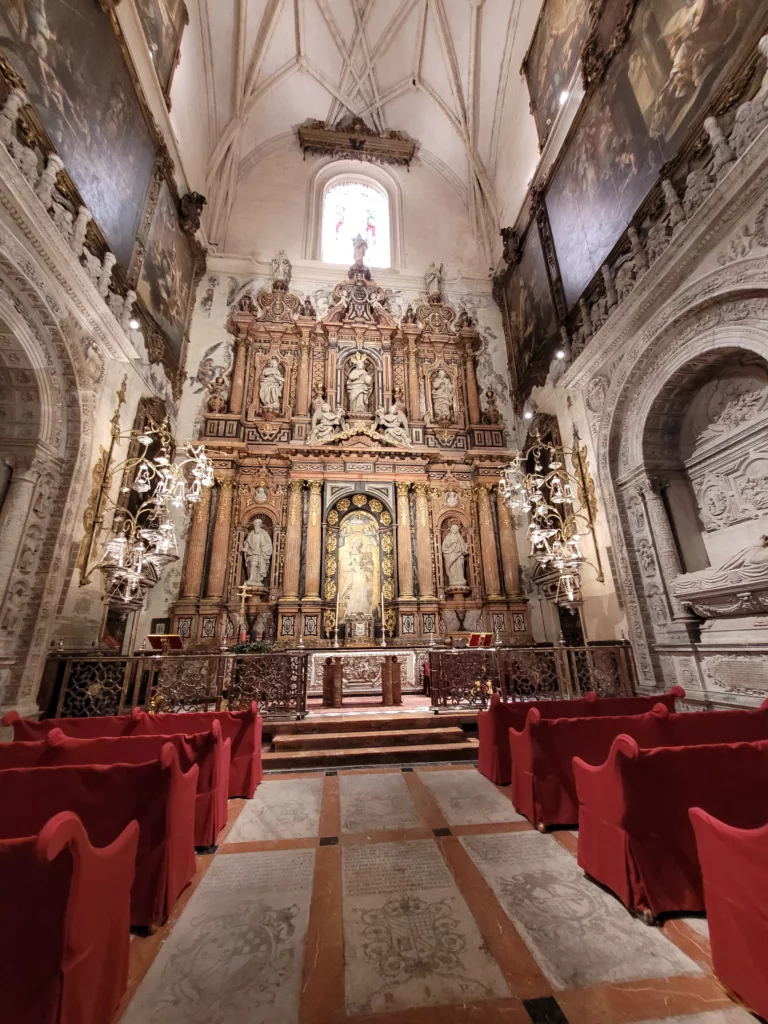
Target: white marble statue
[
  {"x": 433, "y": 279},
  {"x": 394, "y": 424},
  {"x": 359, "y": 387},
  {"x": 325, "y": 423},
  {"x": 455, "y": 550},
  {"x": 748, "y": 566},
  {"x": 281, "y": 269},
  {"x": 271, "y": 386},
  {"x": 442, "y": 397},
  {"x": 359, "y": 247},
  {"x": 258, "y": 554}
]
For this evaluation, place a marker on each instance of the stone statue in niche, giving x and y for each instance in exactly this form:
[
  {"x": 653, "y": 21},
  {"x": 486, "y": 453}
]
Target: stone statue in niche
[
  {"x": 394, "y": 424},
  {"x": 359, "y": 248},
  {"x": 455, "y": 550},
  {"x": 271, "y": 386},
  {"x": 433, "y": 280},
  {"x": 258, "y": 554},
  {"x": 325, "y": 423},
  {"x": 359, "y": 387},
  {"x": 442, "y": 397},
  {"x": 281, "y": 270},
  {"x": 260, "y": 494}
]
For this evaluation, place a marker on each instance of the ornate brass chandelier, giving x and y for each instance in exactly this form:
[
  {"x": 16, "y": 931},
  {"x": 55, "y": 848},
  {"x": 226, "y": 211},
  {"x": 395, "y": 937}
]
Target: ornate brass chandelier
[
  {"x": 156, "y": 478},
  {"x": 556, "y": 501}
]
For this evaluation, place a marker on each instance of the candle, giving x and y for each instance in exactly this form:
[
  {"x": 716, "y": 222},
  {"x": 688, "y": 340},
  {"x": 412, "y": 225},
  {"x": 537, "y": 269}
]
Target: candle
[{"x": 338, "y": 589}]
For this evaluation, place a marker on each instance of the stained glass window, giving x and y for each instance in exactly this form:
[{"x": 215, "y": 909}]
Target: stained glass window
[{"x": 349, "y": 208}]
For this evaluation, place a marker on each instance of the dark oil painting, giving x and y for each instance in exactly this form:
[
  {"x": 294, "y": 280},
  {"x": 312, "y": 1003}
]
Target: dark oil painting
[
  {"x": 163, "y": 23},
  {"x": 553, "y": 57},
  {"x": 530, "y": 307},
  {"x": 677, "y": 54},
  {"x": 167, "y": 273},
  {"x": 78, "y": 82}
]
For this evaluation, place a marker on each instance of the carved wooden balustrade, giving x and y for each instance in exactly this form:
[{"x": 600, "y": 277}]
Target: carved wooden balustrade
[
  {"x": 467, "y": 678},
  {"x": 85, "y": 685}
]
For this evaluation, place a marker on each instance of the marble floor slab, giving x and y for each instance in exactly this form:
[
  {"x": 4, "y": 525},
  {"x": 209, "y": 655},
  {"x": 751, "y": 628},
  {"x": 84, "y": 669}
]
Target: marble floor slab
[
  {"x": 376, "y": 802},
  {"x": 735, "y": 1015},
  {"x": 468, "y": 798},
  {"x": 284, "y": 809},
  {"x": 236, "y": 954},
  {"x": 699, "y": 924},
  {"x": 409, "y": 938},
  {"x": 579, "y": 934}
]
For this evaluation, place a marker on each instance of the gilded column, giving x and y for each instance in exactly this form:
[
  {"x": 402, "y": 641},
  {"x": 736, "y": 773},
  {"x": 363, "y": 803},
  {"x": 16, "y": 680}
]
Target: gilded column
[
  {"x": 238, "y": 376},
  {"x": 193, "y": 571},
  {"x": 314, "y": 555},
  {"x": 510, "y": 559},
  {"x": 404, "y": 545},
  {"x": 488, "y": 543},
  {"x": 302, "y": 384},
  {"x": 292, "y": 562},
  {"x": 217, "y": 573},
  {"x": 473, "y": 400},
  {"x": 423, "y": 542},
  {"x": 413, "y": 381}
]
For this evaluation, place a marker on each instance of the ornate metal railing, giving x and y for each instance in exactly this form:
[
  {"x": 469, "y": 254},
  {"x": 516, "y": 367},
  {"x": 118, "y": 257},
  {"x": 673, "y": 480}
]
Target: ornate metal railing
[
  {"x": 86, "y": 685},
  {"x": 466, "y": 679}
]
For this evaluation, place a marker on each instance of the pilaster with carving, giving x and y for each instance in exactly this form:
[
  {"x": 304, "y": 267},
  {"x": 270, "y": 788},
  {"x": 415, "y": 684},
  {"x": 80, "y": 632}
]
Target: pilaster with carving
[{"x": 217, "y": 571}]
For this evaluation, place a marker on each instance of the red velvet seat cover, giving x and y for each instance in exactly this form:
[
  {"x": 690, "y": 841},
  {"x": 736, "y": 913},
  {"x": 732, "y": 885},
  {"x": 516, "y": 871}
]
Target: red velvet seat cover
[
  {"x": 107, "y": 798},
  {"x": 243, "y": 728},
  {"x": 493, "y": 726},
  {"x": 208, "y": 750},
  {"x": 543, "y": 787},
  {"x": 634, "y": 831},
  {"x": 734, "y": 866}
]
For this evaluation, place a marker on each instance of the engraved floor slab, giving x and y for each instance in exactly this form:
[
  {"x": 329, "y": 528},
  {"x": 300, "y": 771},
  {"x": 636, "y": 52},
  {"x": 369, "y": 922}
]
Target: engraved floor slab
[
  {"x": 235, "y": 956},
  {"x": 373, "y": 802},
  {"x": 579, "y": 934},
  {"x": 285, "y": 809},
  {"x": 409, "y": 938},
  {"x": 468, "y": 798}
]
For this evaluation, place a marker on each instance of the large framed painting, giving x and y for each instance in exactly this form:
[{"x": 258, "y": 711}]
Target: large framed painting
[
  {"x": 79, "y": 84},
  {"x": 169, "y": 272},
  {"x": 553, "y": 57},
  {"x": 677, "y": 58},
  {"x": 531, "y": 314},
  {"x": 163, "y": 22}
]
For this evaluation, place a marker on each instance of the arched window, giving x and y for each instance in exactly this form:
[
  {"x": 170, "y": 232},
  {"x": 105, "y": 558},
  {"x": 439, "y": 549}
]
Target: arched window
[{"x": 351, "y": 208}]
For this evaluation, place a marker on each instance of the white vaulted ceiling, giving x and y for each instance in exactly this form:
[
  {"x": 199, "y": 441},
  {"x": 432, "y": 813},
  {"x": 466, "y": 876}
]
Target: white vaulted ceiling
[{"x": 446, "y": 72}]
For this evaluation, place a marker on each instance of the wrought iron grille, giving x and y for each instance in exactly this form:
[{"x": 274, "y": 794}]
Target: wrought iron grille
[
  {"x": 277, "y": 681},
  {"x": 93, "y": 686}
]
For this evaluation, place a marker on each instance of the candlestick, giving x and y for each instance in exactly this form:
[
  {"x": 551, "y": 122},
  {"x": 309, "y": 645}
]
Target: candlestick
[
  {"x": 336, "y": 630},
  {"x": 383, "y": 627}
]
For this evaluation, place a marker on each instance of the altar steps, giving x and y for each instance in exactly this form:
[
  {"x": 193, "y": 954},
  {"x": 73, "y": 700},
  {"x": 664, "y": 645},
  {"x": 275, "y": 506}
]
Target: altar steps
[{"x": 349, "y": 741}]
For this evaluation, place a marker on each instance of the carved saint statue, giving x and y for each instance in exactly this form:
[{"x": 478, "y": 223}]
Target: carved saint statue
[
  {"x": 442, "y": 397},
  {"x": 433, "y": 279},
  {"x": 359, "y": 247},
  {"x": 281, "y": 269},
  {"x": 394, "y": 424},
  {"x": 325, "y": 423},
  {"x": 271, "y": 386},
  {"x": 455, "y": 550},
  {"x": 359, "y": 387},
  {"x": 258, "y": 554}
]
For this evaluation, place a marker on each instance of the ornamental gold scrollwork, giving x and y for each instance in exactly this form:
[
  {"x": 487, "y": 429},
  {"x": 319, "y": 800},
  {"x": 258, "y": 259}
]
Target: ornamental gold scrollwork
[
  {"x": 388, "y": 565},
  {"x": 331, "y": 542},
  {"x": 359, "y": 500},
  {"x": 333, "y": 517},
  {"x": 387, "y": 543},
  {"x": 341, "y": 505},
  {"x": 386, "y": 519},
  {"x": 330, "y": 590},
  {"x": 329, "y": 620},
  {"x": 375, "y": 505},
  {"x": 330, "y": 567},
  {"x": 389, "y": 590}
]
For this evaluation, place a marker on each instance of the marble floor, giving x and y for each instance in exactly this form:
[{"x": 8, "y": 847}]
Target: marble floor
[{"x": 407, "y": 896}]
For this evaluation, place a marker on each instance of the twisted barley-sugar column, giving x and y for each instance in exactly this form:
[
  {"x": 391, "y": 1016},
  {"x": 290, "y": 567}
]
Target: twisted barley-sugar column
[
  {"x": 292, "y": 562},
  {"x": 314, "y": 555},
  {"x": 404, "y": 545},
  {"x": 423, "y": 542},
  {"x": 217, "y": 573},
  {"x": 198, "y": 534},
  {"x": 238, "y": 376},
  {"x": 510, "y": 559},
  {"x": 488, "y": 542}
]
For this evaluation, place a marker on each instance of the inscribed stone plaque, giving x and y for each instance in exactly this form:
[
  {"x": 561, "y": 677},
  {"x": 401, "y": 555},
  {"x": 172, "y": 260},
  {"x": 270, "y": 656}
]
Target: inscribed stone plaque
[
  {"x": 376, "y": 802},
  {"x": 468, "y": 798},
  {"x": 284, "y": 809}
]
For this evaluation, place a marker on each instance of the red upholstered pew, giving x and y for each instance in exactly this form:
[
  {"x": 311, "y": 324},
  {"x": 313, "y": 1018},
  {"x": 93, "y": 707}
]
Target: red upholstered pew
[
  {"x": 64, "y": 923},
  {"x": 243, "y": 728},
  {"x": 734, "y": 866},
  {"x": 106, "y": 798},
  {"x": 493, "y": 725},
  {"x": 208, "y": 750},
  {"x": 635, "y": 835}
]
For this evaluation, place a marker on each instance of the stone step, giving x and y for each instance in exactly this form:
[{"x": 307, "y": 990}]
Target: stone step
[
  {"x": 416, "y": 754},
  {"x": 384, "y": 738},
  {"x": 399, "y": 720}
]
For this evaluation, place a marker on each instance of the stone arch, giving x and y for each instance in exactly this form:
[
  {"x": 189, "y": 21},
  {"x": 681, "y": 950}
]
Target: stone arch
[{"x": 51, "y": 452}]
